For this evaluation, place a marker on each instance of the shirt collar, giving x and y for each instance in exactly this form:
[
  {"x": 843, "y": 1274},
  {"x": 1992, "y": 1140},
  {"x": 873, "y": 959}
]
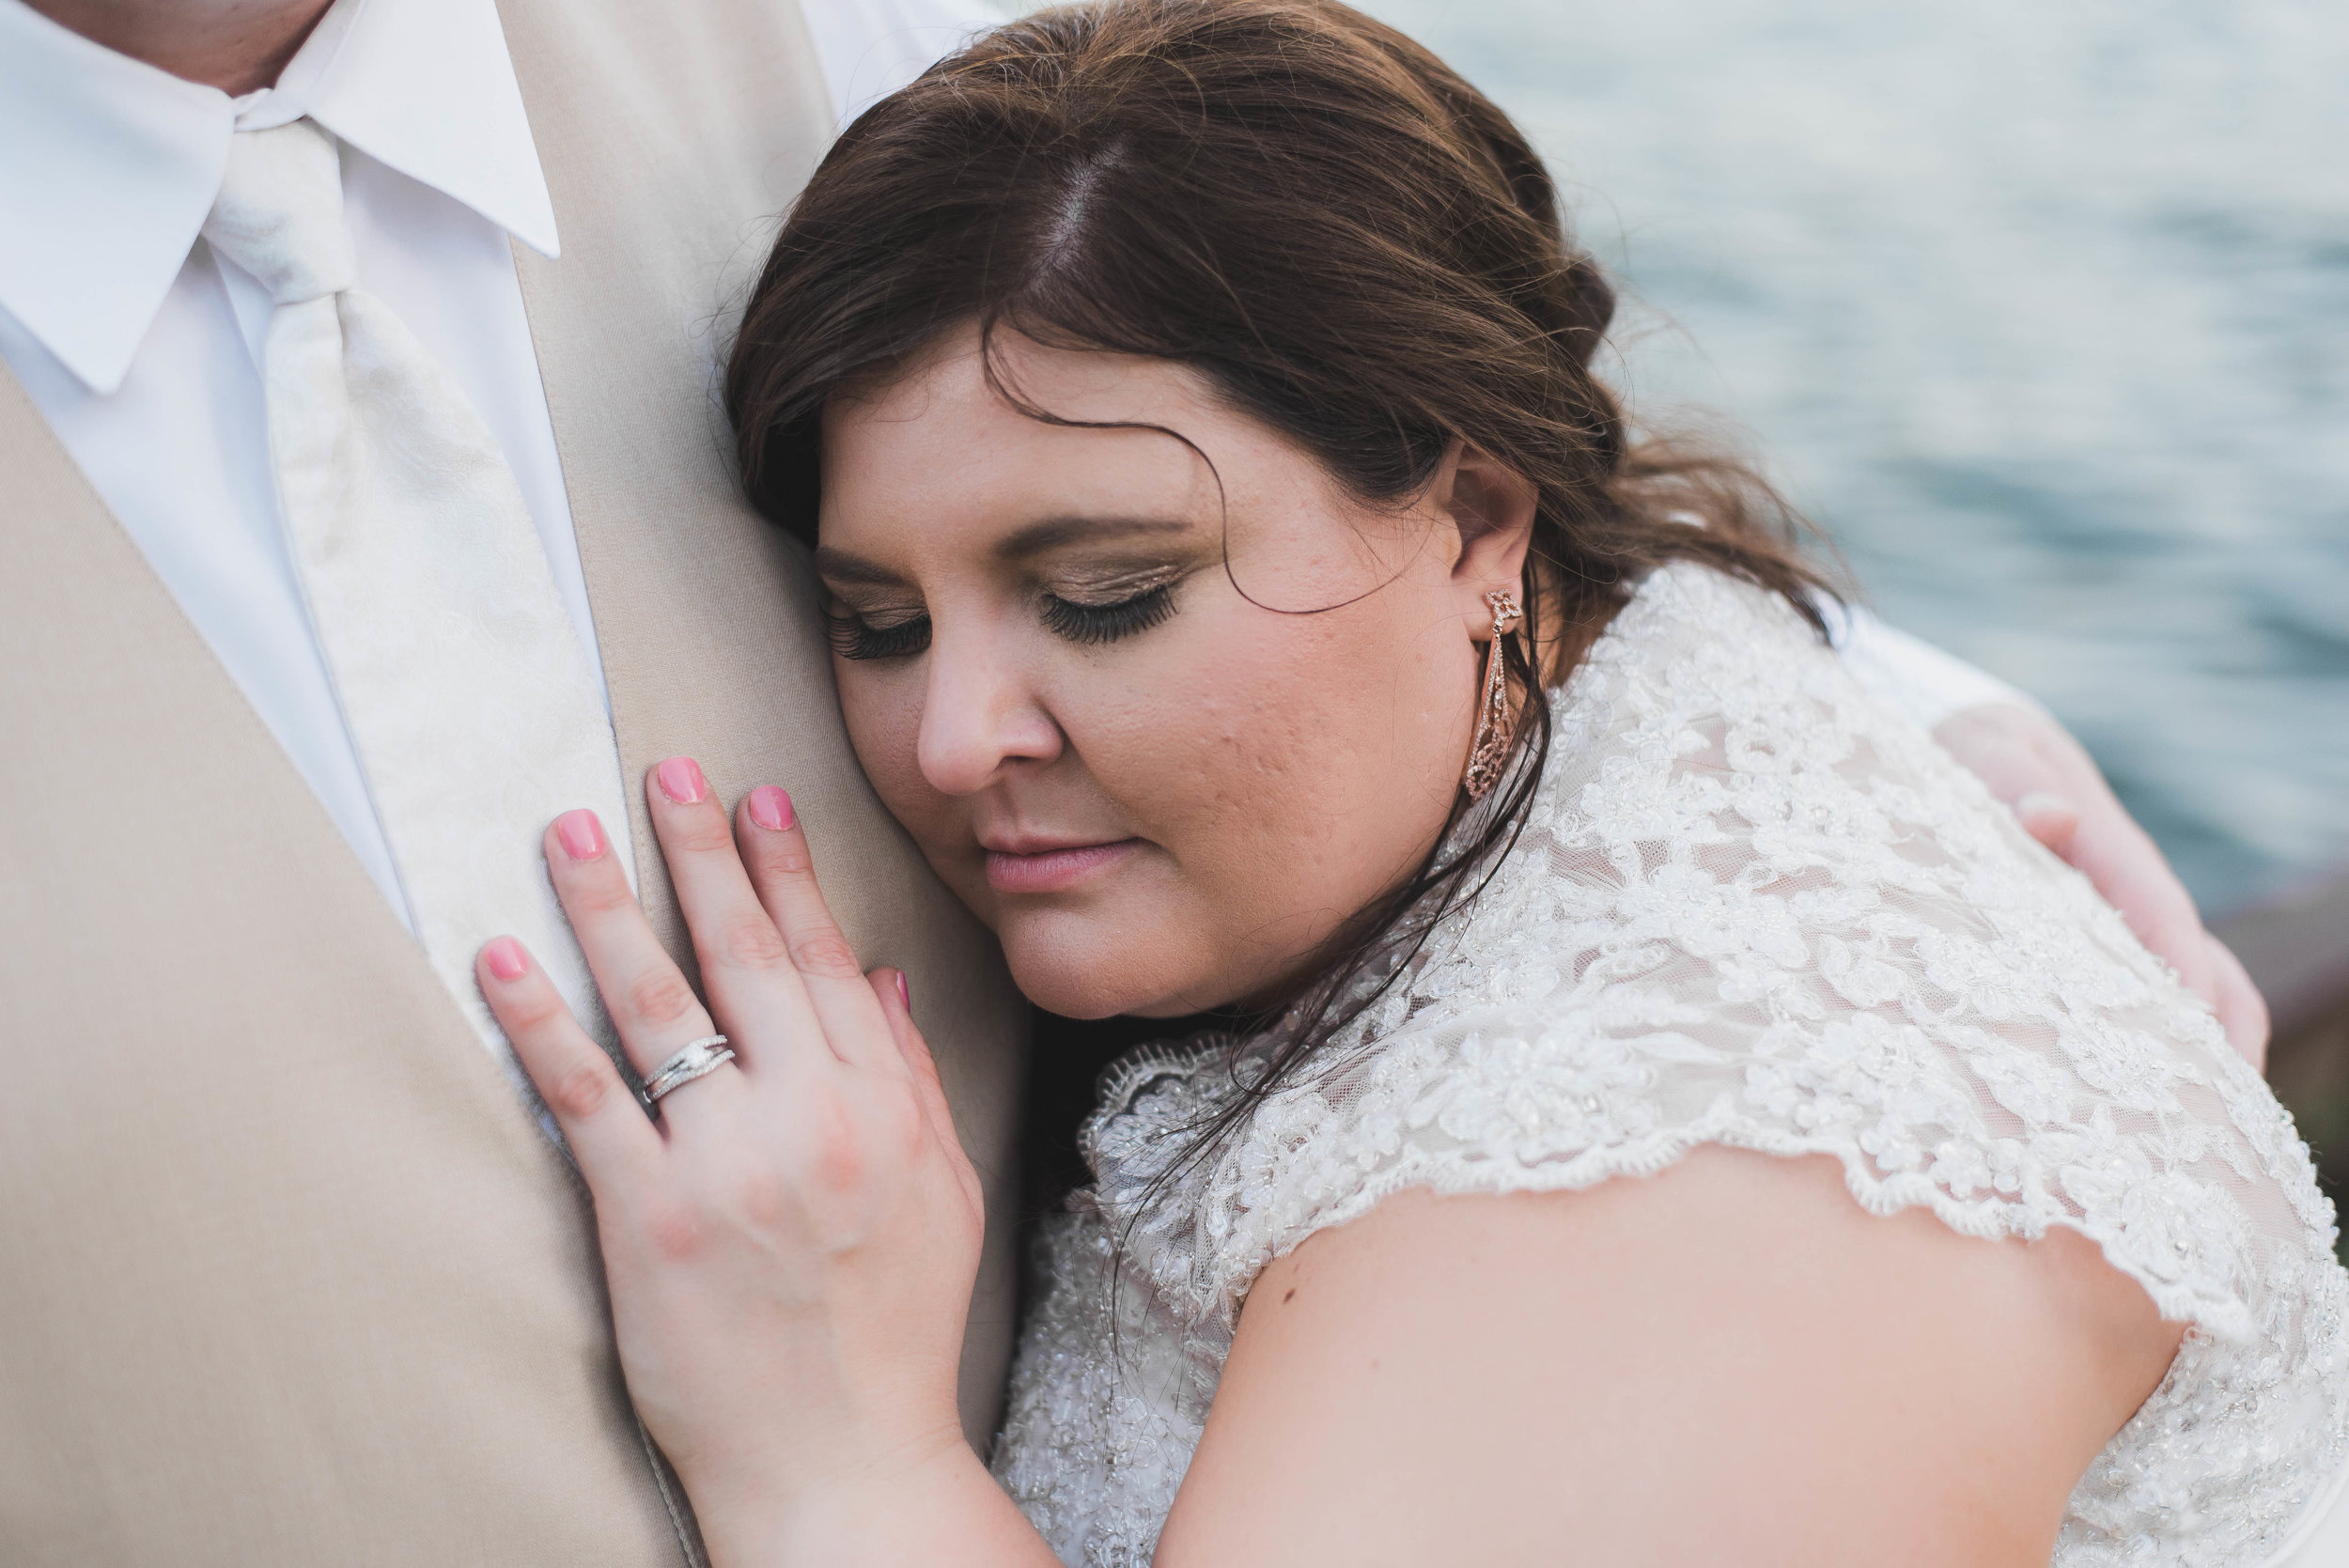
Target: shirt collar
[{"x": 108, "y": 166}]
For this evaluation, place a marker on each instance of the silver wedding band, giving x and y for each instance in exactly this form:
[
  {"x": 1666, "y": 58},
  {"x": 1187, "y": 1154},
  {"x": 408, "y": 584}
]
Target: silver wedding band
[{"x": 698, "y": 1059}]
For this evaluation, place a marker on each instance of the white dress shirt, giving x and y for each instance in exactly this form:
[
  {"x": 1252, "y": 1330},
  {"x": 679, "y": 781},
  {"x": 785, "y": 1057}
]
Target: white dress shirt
[{"x": 143, "y": 349}]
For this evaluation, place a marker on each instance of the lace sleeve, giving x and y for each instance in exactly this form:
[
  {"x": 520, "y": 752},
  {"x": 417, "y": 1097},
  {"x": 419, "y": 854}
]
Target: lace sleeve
[{"x": 1754, "y": 907}]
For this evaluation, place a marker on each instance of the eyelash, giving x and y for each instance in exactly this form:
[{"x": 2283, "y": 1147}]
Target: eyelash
[
  {"x": 1086, "y": 625},
  {"x": 852, "y": 639},
  {"x": 1091, "y": 625}
]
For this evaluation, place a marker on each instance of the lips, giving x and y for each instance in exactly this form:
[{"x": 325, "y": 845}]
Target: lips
[{"x": 1053, "y": 868}]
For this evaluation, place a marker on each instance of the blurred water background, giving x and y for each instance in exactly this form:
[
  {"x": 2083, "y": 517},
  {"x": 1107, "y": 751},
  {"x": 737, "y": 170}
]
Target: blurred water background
[{"x": 2042, "y": 308}]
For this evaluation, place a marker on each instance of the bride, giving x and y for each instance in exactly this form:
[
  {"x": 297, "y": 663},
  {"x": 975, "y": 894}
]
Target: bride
[{"x": 1670, "y": 1112}]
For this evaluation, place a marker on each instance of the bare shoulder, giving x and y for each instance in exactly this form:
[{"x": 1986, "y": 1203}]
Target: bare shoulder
[{"x": 1729, "y": 1360}]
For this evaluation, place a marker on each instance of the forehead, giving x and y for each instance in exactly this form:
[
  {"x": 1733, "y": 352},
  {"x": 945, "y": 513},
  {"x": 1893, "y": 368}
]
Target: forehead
[{"x": 943, "y": 450}]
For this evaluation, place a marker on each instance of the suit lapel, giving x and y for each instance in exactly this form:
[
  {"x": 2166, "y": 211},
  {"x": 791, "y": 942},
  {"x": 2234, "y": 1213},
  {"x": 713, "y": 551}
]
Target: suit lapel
[{"x": 706, "y": 616}]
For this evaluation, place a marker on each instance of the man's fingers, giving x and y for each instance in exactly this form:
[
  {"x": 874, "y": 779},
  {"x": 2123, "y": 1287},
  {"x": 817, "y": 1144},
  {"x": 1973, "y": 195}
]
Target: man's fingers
[
  {"x": 2051, "y": 819},
  {"x": 2133, "y": 878},
  {"x": 616, "y": 1147},
  {"x": 2241, "y": 1011},
  {"x": 2063, "y": 802},
  {"x": 2129, "y": 871},
  {"x": 2034, "y": 764}
]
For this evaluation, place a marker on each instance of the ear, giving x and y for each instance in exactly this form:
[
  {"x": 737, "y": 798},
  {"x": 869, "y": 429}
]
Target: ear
[{"x": 1491, "y": 507}]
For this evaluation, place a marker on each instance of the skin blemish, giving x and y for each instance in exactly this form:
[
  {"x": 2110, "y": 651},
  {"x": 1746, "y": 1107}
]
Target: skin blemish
[{"x": 1290, "y": 1297}]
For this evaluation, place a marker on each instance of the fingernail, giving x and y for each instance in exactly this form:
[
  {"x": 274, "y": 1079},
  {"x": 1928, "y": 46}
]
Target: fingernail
[
  {"x": 580, "y": 835},
  {"x": 508, "y": 960},
  {"x": 681, "y": 781},
  {"x": 770, "y": 808},
  {"x": 902, "y": 995},
  {"x": 2040, "y": 800}
]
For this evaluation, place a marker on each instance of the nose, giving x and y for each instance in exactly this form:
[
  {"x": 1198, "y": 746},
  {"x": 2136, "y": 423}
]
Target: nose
[{"x": 979, "y": 716}]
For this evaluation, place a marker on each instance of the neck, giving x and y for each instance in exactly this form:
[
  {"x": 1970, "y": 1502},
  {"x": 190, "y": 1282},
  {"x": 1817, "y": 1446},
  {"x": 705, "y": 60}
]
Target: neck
[{"x": 235, "y": 45}]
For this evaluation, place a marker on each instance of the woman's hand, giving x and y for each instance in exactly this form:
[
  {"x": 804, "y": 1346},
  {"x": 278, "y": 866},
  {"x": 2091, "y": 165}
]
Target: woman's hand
[{"x": 792, "y": 1245}]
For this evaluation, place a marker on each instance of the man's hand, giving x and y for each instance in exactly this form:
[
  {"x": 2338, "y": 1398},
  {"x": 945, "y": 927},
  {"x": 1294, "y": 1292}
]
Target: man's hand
[{"x": 2033, "y": 765}]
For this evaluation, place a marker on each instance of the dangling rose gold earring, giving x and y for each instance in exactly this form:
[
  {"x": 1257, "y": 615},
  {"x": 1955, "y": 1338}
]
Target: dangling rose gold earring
[{"x": 1496, "y": 721}]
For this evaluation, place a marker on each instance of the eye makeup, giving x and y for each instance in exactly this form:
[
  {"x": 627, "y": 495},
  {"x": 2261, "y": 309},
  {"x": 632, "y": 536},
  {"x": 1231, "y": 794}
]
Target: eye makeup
[
  {"x": 1086, "y": 622},
  {"x": 853, "y": 637},
  {"x": 1091, "y": 625}
]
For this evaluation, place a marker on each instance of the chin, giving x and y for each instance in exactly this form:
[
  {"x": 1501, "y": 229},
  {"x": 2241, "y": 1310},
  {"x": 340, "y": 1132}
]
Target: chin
[{"x": 1087, "y": 968}]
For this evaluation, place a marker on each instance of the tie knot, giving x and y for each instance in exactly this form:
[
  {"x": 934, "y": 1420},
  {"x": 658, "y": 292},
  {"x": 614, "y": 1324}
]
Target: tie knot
[{"x": 279, "y": 215}]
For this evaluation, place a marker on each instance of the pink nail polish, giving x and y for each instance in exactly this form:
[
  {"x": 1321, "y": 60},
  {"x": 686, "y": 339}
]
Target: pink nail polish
[
  {"x": 770, "y": 808},
  {"x": 681, "y": 781},
  {"x": 902, "y": 995},
  {"x": 508, "y": 960},
  {"x": 580, "y": 835}
]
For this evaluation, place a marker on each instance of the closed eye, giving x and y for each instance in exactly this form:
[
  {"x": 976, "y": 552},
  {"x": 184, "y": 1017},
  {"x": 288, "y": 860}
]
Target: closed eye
[
  {"x": 853, "y": 637},
  {"x": 1094, "y": 623}
]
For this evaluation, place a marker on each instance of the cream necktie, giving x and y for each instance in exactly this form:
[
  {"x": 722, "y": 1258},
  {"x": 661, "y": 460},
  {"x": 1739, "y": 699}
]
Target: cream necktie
[{"x": 465, "y": 684}]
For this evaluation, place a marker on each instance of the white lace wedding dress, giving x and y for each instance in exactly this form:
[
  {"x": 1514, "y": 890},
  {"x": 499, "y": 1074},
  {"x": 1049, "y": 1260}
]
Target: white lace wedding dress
[{"x": 1751, "y": 907}]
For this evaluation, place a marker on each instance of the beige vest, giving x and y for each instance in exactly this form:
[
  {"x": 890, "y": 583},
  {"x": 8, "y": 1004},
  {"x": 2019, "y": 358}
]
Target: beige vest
[{"x": 286, "y": 1273}]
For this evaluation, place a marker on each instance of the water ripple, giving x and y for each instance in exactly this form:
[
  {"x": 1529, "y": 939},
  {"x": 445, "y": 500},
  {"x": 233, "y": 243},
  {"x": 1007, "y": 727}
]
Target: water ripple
[{"x": 2042, "y": 309}]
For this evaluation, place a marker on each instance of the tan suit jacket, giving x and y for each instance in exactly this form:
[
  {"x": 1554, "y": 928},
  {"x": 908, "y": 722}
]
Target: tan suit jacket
[{"x": 287, "y": 1274}]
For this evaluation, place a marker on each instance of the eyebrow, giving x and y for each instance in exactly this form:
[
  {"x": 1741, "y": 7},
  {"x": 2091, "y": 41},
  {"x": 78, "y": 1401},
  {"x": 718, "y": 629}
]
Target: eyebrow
[
  {"x": 839, "y": 565},
  {"x": 1053, "y": 533}
]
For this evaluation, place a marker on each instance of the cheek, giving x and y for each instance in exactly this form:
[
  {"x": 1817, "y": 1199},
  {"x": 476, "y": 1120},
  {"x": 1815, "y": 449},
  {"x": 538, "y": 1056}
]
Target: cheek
[
  {"x": 883, "y": 716},
  {"x": 1289, "y": 768},
  {"x": 883, "y": 710},
  {"x": 1292, "y": 767}
]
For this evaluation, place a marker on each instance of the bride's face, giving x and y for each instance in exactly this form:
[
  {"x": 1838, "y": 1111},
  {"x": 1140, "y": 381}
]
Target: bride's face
[{"x": 1161, "y": 787}]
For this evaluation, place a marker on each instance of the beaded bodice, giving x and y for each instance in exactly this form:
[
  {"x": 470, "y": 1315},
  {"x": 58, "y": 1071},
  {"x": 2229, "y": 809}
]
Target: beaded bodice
[{"x": 1753, "y": 906}]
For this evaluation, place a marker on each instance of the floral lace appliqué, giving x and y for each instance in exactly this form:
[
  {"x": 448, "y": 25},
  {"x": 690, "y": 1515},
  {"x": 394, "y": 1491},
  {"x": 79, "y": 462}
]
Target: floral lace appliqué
[{"x": 1751, "y": 907}]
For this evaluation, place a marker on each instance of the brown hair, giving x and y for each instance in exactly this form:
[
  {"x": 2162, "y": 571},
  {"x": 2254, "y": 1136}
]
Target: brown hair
[{"x": 1346, "y": 239}]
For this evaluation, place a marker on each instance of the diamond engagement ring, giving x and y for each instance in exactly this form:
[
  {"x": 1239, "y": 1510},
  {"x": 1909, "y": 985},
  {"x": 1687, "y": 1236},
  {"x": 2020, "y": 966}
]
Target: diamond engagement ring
[{"x": 697, "y": 1059}]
